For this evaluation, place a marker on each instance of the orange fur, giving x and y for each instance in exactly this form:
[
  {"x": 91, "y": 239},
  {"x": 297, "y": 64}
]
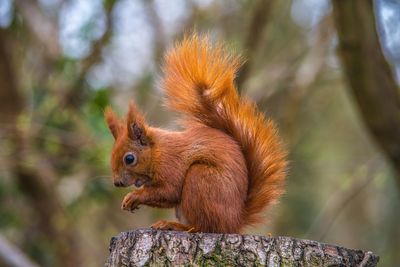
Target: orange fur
[{"x": 228, "y": 164}]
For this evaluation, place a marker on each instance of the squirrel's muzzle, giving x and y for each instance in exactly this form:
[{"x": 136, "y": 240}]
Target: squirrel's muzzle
[{"x": 119, "y": 184}]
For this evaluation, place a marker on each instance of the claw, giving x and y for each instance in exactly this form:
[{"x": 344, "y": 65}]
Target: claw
[
  {"x": 130, "y": 202},
  {"x": 132, "y": 209}
]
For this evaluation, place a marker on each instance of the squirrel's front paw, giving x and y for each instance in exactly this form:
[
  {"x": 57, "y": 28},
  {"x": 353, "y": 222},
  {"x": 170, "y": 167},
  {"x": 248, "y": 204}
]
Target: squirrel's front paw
[{"x": 130, "y": 202}]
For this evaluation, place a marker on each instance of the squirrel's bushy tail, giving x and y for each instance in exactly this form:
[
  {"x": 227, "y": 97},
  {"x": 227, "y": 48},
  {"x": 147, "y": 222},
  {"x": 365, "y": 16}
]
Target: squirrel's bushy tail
[{"x": 199, "y": 81}]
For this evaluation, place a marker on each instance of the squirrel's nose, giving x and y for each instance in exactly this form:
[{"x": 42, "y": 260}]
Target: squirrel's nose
[{"x": 118, "y": 183}]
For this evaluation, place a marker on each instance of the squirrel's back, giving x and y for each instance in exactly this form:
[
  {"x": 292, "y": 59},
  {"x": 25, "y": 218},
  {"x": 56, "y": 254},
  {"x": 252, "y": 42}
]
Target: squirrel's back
[{"x": 199, "y": 82}]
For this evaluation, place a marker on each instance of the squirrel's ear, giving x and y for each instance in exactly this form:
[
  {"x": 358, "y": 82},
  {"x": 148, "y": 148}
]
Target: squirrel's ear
[
  {"x": 114, "y": 124},
  {"x": 136, "y": 125}
]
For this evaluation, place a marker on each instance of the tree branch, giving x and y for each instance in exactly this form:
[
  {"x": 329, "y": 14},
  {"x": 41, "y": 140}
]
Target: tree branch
[
  {"x": 12, "y": 256},
  {"x": 44, "y": 30},
  {"x": 160, "y": 37},
  {"x": 75, "y": 93},
  {"x": 259, "y": 21},
  {"x": 307, "y": 73},
  {"x": 341, "y": 199}
]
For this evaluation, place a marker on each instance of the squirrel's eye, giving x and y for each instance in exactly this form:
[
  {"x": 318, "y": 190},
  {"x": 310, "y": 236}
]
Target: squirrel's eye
[{"x": 129, "y": 158}]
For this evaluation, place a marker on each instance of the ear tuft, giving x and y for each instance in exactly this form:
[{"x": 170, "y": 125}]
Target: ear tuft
[
  {"x": 139, "y": 134},
  {"x": 136, "y": 125},
  {"x": 113, "y": 122}
]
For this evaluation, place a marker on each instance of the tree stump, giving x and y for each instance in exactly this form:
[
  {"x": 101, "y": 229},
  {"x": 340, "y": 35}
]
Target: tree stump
[{"x": 148, "y": 247}]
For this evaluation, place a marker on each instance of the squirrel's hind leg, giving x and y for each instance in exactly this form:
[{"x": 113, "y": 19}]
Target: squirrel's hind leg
[
  {"x": 166, "y": 225},
  {"x": 213, "y": 199}
]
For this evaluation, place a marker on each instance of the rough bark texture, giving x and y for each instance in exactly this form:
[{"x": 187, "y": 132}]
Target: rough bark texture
[{"x": 147, "y": 247}]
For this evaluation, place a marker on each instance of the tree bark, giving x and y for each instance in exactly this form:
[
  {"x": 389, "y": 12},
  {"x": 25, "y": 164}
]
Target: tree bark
[{"x": 148, "y": 247}]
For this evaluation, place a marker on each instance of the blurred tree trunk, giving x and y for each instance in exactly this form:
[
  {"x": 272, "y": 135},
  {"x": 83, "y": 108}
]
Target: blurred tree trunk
[
  {"x": 11, "y": 100},
  {"x": 371, "y": 81},
  {"x": 34, "y": 177}
]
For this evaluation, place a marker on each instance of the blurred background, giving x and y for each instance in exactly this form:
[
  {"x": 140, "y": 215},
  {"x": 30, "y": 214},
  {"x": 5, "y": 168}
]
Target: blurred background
[{"x": 327, "y": 72}]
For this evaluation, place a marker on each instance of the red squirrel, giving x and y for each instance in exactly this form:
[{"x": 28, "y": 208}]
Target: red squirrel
[{"x": 223, "y": 169}]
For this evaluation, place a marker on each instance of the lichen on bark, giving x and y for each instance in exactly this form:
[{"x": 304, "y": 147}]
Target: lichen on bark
[{"x": 148, "y": 247}]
